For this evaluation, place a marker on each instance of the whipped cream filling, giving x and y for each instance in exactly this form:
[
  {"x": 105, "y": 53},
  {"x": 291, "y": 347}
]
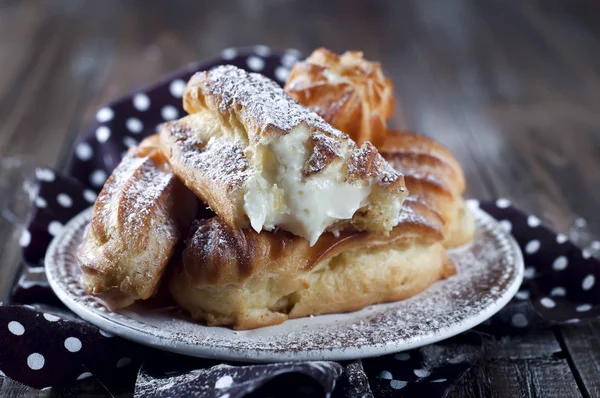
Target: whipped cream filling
[{"x": 281, "y": 196}]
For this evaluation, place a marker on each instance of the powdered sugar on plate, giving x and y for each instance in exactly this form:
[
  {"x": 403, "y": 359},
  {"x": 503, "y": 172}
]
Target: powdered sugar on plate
[{"x": 490, "y": 271}]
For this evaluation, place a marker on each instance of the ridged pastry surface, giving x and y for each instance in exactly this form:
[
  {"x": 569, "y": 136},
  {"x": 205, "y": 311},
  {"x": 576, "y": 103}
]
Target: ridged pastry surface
[
  {"x": 348, "y": 91},
  {"x": 136, "y": 222},
  {"x": 432, "y": 173},
  {"x": 244, "y": 279}
]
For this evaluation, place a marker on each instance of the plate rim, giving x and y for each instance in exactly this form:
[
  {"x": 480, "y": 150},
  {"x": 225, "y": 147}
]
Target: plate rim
[{"x": 266, "y": 355}]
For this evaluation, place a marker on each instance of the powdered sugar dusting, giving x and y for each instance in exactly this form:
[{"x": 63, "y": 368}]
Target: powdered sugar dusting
[
  {"x": 141, "y": 195},
  {"x": 490, "y": 270},
  {"x": 263, "y": 101},
  {"x": 139, "y": 183},
  {"x": 220, "y": 160}
]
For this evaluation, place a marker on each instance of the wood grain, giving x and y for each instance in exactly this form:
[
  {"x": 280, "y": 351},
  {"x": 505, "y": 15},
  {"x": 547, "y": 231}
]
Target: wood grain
[{"x": 512, "y": 88}]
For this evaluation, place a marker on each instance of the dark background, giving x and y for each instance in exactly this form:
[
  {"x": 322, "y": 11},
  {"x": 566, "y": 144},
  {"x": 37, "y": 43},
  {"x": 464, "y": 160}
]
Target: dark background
[{"x": 511, "y": 87}]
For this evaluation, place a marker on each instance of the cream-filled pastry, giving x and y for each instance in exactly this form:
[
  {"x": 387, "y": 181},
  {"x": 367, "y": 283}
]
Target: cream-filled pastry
[{"x": 261, "y": 160}]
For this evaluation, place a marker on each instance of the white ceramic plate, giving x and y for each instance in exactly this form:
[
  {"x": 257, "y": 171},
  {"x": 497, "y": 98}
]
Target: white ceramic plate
[{"x": 490, "y": 271}]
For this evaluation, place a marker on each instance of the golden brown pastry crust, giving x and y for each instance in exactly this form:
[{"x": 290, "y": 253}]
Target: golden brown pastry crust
[
  {"x": 236, "y": 120},
  {"x": 348, "y": 91},
  {"x": 137, "y": 219},
  {"x": 246, "y": 280},
  {"x": 430, "y": 170},
  {"x": 432, "y": 173}
]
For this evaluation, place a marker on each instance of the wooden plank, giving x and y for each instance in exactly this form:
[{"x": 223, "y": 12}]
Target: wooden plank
[
  {"x": 582, "y": 341},
  {"x": 529, "y": 365}
]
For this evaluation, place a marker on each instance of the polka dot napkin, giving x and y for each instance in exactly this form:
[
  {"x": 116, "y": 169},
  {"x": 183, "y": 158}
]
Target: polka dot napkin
[{"x": 43, "y": 344}]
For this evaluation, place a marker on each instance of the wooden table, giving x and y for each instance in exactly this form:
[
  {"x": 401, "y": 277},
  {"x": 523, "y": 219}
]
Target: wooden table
[{"x": 511, "y": 87}]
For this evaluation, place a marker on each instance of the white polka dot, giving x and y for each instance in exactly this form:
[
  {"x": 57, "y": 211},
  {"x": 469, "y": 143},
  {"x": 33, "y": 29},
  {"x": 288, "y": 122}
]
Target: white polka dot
[
  {"x": 519, "y": 320},
  {"x": 121, "y": 363},
  {"x": 583, "y": 308},
  {"x": 64, "y": 200},
  {"x": 255, "y": 63},
  {"x": 229, "y": 53},
  {"x": 522, "y": 294},
  {"x": 98, "y": 177},
  {"x": 560, "y": 263},
  {"x": 529, "y": 272},
  {"x": 289, "y": 59},
  {"x": 169, "y": 112},
  {"x": 141, "y": 102},
  {"x": 422, "y": 372},
  {"x": 54, "y": 228},
  {"x": 72, "y": 344},
  {"x": 129, "y": 142},
  {"x": 595, "y": 245},
  {"x": 532, "y": 246},
  {"x": 533, "y": 221},
  {"x": 51, "y": 318},
  {"x": 106, "y": 334},
  {"x": 385, "y": 375},
  {"x": 16, "y": 328},
  {"x": 262, "y": 50},
  {"x": 580, "y": 222},
  {"x": 84, "y": 151},
  {"x": 588, "y": 282},
  {"x": 159, "y": 127},
  {"x": 506, "y": 225},
  {"x": 2, "y": 374},
  {"x": 25, "y": 238},
  {"x": 548, "y": 302},
  {"x": 282, "y": 73},
  {"x": 402, "y": 356},
  {"x": 89, "y": 195},
  {"x": 84, "y": 375},
  {"x": 177, "y": 88},
  {"x": 102, "y": 134},
  {"x": 585, "y": 253},
  {"x": 224, "y": 382},
  {"x": 104, "y": 114},
  {"x": 558, "y": 291},
  {"x": 134, "y": 125},
  {"x": 574, "y": 320},
  {"x": 561, "y": 238},
  {"x": 44, "y": 174},
  {"x": 438, "y": 380},
  {"x": 398, "y": 384},
  {"x": 502, "y": 203},
  {"x": 40, "y": 202},
  {"x": 35, "y": 361}
]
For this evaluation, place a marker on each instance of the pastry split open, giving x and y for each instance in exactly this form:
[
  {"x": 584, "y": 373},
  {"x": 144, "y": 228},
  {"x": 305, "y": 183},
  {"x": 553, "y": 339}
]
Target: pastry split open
[{"x": 260, "y": 159}]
